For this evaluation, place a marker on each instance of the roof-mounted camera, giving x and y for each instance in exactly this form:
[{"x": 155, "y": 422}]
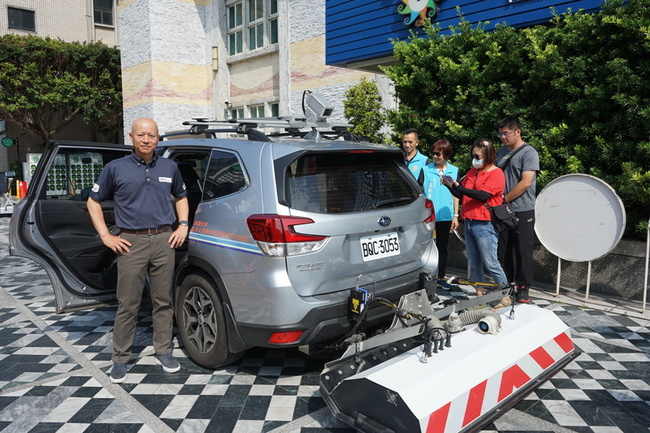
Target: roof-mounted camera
[{"x": 316, "y": 107}]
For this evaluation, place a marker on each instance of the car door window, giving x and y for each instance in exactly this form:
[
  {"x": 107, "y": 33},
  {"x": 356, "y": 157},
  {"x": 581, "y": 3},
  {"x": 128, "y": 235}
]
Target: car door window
[
  {"x": 62, "y": 217},
  {"x": 225, "y": 175},
  {"x": 73, "y": 173},
  {"x": 192, "y": 165}
]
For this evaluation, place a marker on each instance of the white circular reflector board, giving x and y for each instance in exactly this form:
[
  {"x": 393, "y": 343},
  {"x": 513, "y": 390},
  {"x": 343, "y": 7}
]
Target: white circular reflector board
[{"x": 579, "y": 217}]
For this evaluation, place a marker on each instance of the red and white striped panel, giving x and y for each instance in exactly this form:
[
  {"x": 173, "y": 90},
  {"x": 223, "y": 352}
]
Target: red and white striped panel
[{"x": 484, "y": 396}]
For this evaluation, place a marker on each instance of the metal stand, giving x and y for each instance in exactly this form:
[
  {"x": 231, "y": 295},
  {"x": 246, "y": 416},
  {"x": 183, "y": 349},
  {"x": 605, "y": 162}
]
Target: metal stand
[
  {"x": 588, "y": 280},
  {"x": 579, "y": 201},
  {"x": 559, "y": 274},
  {"x": 647, "y": 259}
]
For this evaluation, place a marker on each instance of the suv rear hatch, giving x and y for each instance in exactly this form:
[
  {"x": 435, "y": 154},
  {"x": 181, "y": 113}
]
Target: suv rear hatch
[{"x": 358, "y": 215}]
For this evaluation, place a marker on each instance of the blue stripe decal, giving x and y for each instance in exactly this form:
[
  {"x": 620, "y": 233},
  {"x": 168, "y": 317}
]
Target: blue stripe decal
[{"x": 225, "y": 243}]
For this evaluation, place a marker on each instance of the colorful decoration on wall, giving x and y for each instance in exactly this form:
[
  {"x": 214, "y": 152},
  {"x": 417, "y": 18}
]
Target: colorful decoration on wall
[{"x": 418, "y": 11}]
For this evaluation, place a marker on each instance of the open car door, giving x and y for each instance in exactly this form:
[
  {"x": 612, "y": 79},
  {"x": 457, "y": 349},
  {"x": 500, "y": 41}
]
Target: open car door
[{"x": 52, "y": 226}]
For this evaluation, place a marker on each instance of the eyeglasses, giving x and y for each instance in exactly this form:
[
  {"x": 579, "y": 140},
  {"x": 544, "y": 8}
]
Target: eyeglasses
[
  {"x": 437, "y": 154},
  {"x": 475, "y": 156},
  {"x": 504, "y": 134}
]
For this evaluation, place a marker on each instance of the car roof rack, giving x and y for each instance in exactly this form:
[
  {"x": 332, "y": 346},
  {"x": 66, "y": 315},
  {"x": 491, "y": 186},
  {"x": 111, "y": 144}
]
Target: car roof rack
[
  {"x": 314, "y": 126},
  {"x": 285, "y": 126}
]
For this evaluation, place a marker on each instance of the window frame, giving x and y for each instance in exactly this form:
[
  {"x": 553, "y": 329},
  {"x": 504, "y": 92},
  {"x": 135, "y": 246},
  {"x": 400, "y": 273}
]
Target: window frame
[
  {"x": 255, "y": 23},
  {"x": 235, "y": 30},
  {"x": 23, "y": 13},
  {"x": 258, "y": 28},
  {"x": 268, "y": 109},
  {"x": 104, "y": 13},
  {"x": 273, "y": 29},
  {"x": 256, "y": 108},
  {"x": 274, "y": 108},
  {"x": 208, "y": 171},
  {"x": 236, "y": 112}
]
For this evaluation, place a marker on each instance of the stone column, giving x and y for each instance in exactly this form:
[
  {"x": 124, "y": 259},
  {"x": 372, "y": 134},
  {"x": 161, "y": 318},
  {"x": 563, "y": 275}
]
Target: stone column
[{"x": 167, "y": 67}]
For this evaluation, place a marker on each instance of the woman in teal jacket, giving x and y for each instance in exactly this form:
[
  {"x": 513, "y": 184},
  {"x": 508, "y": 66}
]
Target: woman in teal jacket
[{"x": 445, "y": 204}]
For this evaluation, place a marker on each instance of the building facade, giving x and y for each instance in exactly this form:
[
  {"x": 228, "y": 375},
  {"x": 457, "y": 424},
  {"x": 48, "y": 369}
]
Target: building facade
[
  {"x": 68, "y": 20},
  {"x": 225, "y": 58},
  {"x": 217, "y": 59}
]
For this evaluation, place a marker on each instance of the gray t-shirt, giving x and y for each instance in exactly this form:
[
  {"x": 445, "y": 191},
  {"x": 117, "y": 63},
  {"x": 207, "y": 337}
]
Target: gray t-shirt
[{"x": 526, "y": 159}]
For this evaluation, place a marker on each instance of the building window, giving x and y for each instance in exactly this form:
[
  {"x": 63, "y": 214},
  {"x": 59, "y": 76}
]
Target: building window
[
  {"x": 257, "y": 110},
  {"x": 273, "y": 22},
  {"x": 252, "y": 24},
  {"x": 255, "y": 24},
  {"x": 103, "y": 12},
  {"x": 237, "y": 113},
  {"x": 275, "y": 109},
  {"x": 273, "y": 31},
  {"x": 21, "y": 19},
  {"x": 235, "y": 32}
]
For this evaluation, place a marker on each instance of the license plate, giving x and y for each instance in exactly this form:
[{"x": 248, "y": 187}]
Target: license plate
[{"x": 379, "y": 246}]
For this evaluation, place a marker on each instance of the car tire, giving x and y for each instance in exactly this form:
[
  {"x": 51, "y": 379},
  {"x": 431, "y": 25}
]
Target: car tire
[{"x": 201, "y": 323}]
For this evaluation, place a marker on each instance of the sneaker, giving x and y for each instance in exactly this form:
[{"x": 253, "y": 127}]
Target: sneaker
[
  {"x": 443, "y": 284},
  {"x": 169, "y": 364},
  {"x": 118, "y": 373},
  {"x": 522, "y": 293}
]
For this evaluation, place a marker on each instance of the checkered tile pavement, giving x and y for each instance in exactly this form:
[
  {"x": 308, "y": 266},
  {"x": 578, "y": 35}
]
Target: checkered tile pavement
[{"x": 53, "y": 376}]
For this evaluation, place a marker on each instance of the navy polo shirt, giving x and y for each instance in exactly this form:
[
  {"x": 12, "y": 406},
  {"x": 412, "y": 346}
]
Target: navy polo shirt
[{"x": 141, "y": 192}]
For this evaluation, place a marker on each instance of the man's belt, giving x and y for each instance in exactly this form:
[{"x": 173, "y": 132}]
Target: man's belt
[{"x": 149, "y": 232}]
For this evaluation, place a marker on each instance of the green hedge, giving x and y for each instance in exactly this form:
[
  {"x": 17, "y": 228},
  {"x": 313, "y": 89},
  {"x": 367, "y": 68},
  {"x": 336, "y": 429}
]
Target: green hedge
[
  {"x": 363, "y": 109},
  {"x": 46, "y": 83},
  {"x": 580, "y": 85}
]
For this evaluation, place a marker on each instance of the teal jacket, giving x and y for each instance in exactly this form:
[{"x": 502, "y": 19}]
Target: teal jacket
[
  {"x": 437, "y": 192},
  {"x": 416, "y": 164}
]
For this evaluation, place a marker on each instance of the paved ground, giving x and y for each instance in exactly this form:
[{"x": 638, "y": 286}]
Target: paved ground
[{"x": 53, "y": 374}]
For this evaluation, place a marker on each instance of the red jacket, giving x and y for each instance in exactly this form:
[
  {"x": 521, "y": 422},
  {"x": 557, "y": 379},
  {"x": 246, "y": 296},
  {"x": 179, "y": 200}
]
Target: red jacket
[{"x": 493, "y": 182}]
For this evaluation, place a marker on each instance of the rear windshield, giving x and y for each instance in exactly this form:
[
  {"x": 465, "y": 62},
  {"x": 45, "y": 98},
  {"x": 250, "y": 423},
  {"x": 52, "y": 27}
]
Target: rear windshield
[{"x": 347, "y": 182}]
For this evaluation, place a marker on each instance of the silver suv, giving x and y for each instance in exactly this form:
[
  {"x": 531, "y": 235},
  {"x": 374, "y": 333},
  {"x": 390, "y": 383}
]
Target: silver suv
[{"x": 282, "y": 230}]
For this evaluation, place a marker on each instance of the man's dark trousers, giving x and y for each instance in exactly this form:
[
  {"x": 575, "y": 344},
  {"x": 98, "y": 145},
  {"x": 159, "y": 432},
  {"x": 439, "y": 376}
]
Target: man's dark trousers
[{"x": 516, "y": 249}]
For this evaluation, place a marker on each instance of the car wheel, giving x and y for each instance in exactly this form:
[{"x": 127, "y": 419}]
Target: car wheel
[{"x": 201, "y": 323}]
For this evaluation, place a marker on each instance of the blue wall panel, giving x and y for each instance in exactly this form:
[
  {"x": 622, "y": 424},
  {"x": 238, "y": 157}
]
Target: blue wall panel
[{"x": 360, "y": 30}]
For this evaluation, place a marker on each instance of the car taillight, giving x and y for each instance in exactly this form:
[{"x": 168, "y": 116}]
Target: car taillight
[
  {"x": 285, "y": 337},
  {"x": 431, "y": 219},
  {"x": 276, "y": 236}
]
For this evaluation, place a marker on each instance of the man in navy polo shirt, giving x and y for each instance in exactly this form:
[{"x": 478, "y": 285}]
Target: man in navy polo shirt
[{"x": 141, "y": 186}]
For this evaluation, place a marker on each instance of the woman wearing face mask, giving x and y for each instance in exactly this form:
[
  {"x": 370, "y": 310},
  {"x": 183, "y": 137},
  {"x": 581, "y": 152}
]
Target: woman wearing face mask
[{"x": 484, "y": 183}]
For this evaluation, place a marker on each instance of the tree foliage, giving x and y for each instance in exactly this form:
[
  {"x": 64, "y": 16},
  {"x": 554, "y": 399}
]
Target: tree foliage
[
  {"x": 45, "y": 83},
  {"x": 580, "y": 85},
  {"x": 362, "y": 107}
]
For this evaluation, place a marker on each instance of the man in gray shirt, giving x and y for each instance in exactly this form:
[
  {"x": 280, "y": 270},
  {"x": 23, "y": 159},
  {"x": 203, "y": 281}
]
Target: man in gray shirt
[{"x": 520, "y": 163}]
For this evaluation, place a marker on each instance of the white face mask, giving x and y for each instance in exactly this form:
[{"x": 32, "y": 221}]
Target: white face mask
[{"x": 477, "y": 163}]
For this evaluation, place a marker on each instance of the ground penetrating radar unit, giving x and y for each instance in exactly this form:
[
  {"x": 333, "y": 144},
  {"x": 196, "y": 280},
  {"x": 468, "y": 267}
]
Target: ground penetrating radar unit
[{"x": 445, "y": 366}]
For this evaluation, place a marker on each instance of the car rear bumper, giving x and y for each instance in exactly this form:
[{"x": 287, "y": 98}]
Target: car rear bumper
[{"x": 333, "y": 320}]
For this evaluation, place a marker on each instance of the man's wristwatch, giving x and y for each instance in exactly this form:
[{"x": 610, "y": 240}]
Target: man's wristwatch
[{"x": 182, "y": 223}]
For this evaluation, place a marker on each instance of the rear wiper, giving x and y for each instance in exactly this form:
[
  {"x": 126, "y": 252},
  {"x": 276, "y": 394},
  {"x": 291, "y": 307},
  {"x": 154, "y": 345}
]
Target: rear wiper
[{"x": 392, "y": 201}]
